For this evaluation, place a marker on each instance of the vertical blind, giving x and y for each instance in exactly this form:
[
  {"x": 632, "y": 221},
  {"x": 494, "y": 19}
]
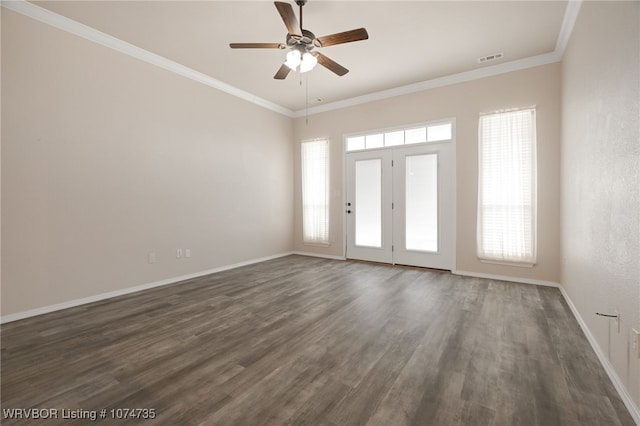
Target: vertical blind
[
  {"x": 507, "y": 192},
  {"x": 315, "y": 192}
]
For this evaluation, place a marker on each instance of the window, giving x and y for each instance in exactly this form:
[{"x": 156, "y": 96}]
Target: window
[
  {"x": 507, "y": 187},
  {"x": 431, "y": 132},
  {"x": 315, "y": 192}
]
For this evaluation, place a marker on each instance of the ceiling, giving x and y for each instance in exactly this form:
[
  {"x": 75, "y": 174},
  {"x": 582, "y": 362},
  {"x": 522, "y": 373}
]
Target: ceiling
[{"x": 409, "y": 42}]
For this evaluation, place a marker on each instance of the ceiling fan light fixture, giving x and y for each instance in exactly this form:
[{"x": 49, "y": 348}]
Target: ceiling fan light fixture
[
  {"x": 302, "y": 41},
  {"x": 293, "y": 59},
  {"x": 309, "y": 61}
]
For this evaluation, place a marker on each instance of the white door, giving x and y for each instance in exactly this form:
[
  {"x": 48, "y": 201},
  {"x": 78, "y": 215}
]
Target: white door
[
  {"x": 424, "y": 199},
  {"x": 401, "y": 205},
  {"x": 368, "y": 207}
]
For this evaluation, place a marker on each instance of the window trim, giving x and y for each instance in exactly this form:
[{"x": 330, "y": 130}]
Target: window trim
[
  {"x": 526, "y": 263},
  {"x": 305, "y": 240},
  {"x": 426, "y": 124}
]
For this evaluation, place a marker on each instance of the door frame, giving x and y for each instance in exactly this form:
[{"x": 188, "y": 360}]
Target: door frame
[
  {"x": 444, "y": 256},
  {"x": 454, "y": 175},
  {"x": 384, "y": 253}
]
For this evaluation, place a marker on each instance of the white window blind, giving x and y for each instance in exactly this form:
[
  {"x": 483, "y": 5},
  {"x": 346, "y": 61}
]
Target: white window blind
[
  {"x": 507, "y": 192},
  {"x": 315, "y": 192}
]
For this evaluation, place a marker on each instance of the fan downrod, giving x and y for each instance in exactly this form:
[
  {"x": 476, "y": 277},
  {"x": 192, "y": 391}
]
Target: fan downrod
[
  {"x": 304, "y": 41},
  {"x": 301, "y": 3}
]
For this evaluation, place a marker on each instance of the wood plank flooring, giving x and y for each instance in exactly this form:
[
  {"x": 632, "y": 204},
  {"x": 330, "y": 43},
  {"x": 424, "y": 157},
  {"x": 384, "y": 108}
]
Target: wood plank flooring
[{"x": 309, "y": 341}]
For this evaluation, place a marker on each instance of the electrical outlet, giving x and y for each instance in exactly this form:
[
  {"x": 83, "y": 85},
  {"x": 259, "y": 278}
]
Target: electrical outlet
[
  {"x": 152, "y": 257},
  {"x": 178, "y": 253},
  {"x": 635, "y": 343},
  {"x": 187, "y": 252}
]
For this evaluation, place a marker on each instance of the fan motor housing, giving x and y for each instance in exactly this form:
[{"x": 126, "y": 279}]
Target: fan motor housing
[{"x": 305, "y": 41}]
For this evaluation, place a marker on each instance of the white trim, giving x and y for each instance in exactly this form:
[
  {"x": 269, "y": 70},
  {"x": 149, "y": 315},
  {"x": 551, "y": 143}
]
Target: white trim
[
  {"x": 608, "y": 368},
  {"x": 520, "y": 64},
  {"x": 507, "y": 278},
  {"x": 570, "y": 16},
  {"x": 613, "y": 376},
  {"x": 324, "y": 256},
  {"x": 69, "y": 25},
  {"x": 454, "y": 140},
  {"x": 43, "y": 15},
  {"x": 568, "y": 21},
  {"x": 506, "y": 263},
  {"x": 129, "y": 290},
  {"x": 405, "y": 127},
  {"x": 306, "y": 243},
  {"x": 316, "y": 238}
]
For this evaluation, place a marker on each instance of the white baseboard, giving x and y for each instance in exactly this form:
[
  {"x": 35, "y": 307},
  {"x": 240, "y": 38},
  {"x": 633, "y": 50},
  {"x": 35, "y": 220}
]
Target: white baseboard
[
  {"x": 325, "y": 256},
  {"x": 507, "y": 278},
  {"x": 613, "y": 376},
  {"x": 615, "y": 379},
  {"x": 77, "y": 302},
  {"x": 617, "y": 383}
]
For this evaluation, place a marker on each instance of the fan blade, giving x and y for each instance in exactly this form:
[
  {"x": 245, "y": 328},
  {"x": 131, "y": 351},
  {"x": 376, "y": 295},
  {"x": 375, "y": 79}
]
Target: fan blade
[
  {"x": 331, "y": 65},
  {"x": 340, "y": 38},
  {"x": 289, "y": 18},
  {"x": 282, "y": 73},
  {"x": 257, "y": 45}
]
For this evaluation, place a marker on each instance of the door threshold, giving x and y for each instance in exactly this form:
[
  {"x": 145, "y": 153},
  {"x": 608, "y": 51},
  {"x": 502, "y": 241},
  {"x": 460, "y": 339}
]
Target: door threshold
[{"x": 398, "y": 265}]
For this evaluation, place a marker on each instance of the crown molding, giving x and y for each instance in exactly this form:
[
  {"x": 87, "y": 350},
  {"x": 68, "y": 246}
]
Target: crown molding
[
  {"x": 520, "y": 64},
  {"x": 69, "y": 25},
  {"x": 63, "y": 23},
  {"x": 570, "y": 16}
]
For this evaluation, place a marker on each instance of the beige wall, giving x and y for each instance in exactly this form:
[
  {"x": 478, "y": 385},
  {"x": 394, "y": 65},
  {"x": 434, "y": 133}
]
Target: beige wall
[
  {"x": 536, "y": 86},
  {"x": 601, "y": 177},
  {"x": 106, "y": 158}
]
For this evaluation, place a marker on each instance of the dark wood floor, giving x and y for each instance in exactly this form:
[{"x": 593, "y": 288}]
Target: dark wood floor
[{"x": 310, "y": 341}]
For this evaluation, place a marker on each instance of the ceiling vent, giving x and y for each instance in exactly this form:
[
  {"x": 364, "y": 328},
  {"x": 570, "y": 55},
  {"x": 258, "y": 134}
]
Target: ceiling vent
[{"x": 490, "y": 58}]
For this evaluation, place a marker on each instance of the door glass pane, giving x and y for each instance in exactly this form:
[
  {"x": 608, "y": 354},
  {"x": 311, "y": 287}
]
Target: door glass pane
[
  {"x": 368, "y": 207},
  {"x": 421, "y": 202}
]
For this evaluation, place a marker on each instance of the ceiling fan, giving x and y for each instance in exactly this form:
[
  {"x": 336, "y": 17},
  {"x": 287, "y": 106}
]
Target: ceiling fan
[{"x": 301, "y": 43}]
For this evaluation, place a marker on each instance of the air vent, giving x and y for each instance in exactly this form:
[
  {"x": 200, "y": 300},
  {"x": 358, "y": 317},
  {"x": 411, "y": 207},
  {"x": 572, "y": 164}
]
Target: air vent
[{"x": 490, "y": 58}]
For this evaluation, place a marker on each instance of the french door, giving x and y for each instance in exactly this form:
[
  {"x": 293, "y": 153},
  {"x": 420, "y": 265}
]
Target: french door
[{"x": 400, "y": 205}]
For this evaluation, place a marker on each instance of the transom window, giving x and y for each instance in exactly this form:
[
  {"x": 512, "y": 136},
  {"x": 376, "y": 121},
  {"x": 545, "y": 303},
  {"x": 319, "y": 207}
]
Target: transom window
[{"x": 428, "y": 132}]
